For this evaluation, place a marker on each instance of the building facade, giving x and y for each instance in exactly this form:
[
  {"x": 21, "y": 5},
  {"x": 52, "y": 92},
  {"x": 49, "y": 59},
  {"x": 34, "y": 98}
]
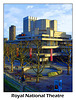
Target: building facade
[
  {"x": 29, "y": 24},
  {"x": 45, "y": 30},
  {"x": 12, "y": 32}
]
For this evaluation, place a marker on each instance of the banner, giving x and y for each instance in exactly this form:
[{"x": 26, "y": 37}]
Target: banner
[
  {"x": 51, "y": 57},
  {"x": 30, "y": 52},
  {"x": 17, "y": 52}
]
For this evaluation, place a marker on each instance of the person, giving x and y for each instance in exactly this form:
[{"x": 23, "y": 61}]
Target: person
[{"x": 23, "y": 78}]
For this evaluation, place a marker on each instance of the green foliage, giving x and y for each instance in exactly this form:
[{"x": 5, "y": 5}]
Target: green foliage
[
  {"x": 8, "y": 83},
  {"x": 59, "y": 72},
  {"x": 52, "y": 74}
]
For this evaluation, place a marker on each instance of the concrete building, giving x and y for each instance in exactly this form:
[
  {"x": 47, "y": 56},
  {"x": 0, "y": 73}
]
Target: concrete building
[
  {"x": 45, "y": 30},
  {"x": 12, "y": 32},
  {"x": 29, "y": 24}
]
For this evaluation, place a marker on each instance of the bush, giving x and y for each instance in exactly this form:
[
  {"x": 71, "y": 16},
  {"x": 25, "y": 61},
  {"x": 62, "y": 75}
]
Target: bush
[
  {"x": 59, "y": 72},
  {"x": 52, "y": 74}
]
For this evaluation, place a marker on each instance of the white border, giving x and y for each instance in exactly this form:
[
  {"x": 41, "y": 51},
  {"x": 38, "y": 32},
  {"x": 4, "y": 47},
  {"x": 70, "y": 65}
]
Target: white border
[{"x": 67, "y": 95}]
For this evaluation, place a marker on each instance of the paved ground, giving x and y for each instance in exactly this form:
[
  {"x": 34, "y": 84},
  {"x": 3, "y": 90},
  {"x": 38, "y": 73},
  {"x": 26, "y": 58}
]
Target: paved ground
[{"x": 45, "y": 81}]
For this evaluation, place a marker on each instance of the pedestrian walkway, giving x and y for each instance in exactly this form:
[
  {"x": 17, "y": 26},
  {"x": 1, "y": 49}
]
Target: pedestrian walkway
[{"x": 47, "y": 81}]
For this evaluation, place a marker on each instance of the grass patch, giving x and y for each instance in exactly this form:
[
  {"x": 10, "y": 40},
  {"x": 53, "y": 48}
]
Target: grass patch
[
  {"x": 59, "y": 72},
  {"x": 52, "y": 74},
  {"x": 10, "y": 86}
]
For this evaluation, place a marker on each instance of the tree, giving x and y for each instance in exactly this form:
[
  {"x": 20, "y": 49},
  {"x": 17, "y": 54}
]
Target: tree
[
  {"x": 12, "y": 54},
  {"x": 38, "y": 65},
  {"x": 7, "y": 54},
  {"x": 23, "y": 53},
  {"x": 66, "y": 55},
  {"x": 4, "y": 53}
]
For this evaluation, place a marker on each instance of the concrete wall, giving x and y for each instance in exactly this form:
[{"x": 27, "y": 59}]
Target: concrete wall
[
  {"x": 50, "y": 32},
  {"x": 53, "y": 25},
  {"x": 29, "y": 24},
  {"x": 35, "y": 32},
  {"x": 60, "y": 34},
  {"x": 42, "y": 24},
  {"x": 12, "y": 32}
]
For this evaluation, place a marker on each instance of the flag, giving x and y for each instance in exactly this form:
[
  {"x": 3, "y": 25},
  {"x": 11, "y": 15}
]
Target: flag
[
  {"x": 30, "y": 52},
  {"x": 51, "y": 57},
  {"x": 17, "y": 52}
]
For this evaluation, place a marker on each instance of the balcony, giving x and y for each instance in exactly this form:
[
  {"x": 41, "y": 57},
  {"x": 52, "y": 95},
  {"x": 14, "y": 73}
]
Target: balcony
[
  {"x": 49, "y": 47},
  {"x": 48, "y": 54}
]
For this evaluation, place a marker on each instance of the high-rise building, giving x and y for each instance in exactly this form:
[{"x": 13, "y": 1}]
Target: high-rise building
[
  {"x": 42, "y": 24},
  {"x": 28, "y": 24},
  {"x": 12, "y": 32},
  {"x": 31, "y": 24}
]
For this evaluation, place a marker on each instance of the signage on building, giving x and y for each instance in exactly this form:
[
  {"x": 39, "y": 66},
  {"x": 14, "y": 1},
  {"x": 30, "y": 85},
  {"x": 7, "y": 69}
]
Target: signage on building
[{"x": 58, "y": 85}]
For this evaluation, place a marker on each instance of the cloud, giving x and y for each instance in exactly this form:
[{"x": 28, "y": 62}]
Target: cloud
[
  {"x": 61, "y": 13},
  {"x": 15, "y": 10},
  {"x": 14, "y": 14},
  {"x": 12, "y": 10},
  {"x": 29, "y": 6},
  {"x": 67, "y": 7},
  {"x": 65, "y": 23}
]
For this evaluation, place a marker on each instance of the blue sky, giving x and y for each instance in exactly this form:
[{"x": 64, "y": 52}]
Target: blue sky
[{"x": 14, "y": 14}]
